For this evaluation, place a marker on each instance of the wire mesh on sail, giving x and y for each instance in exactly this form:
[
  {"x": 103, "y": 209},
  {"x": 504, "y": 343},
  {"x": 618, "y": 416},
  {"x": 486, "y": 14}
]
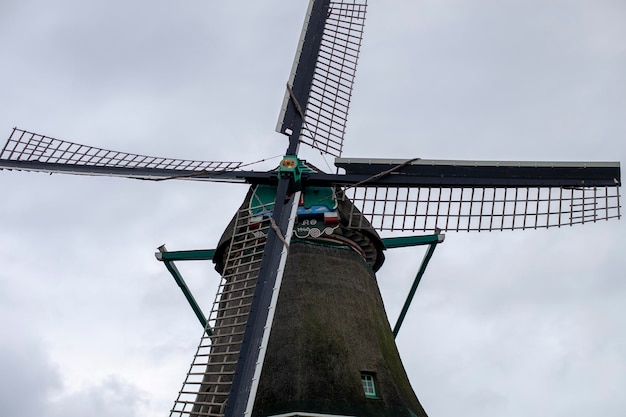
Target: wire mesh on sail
[
  {"x": 478, "y": 209},
  {"x": 327, "y": 109},
  {"x": 28, "y": 146},
  {"x": 208, "y": 383}
]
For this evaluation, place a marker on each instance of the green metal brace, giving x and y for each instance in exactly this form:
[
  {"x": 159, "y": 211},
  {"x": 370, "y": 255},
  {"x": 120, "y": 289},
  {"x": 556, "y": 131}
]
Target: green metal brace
[
  {"x": 399, "y": 242},
  {"x": 168, "y": 259}
]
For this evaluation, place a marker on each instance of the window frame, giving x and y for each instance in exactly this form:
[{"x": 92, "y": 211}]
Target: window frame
[{"x": 370, "y": 385}]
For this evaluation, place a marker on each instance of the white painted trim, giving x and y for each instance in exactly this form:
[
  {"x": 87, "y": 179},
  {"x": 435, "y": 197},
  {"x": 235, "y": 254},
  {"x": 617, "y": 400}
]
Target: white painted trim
[
  {"x": 294, "y": 65},
  {"x": 307, "y": 414},
  {"x": 435, "y": 162},
  {"x": 272, "y": 308}
]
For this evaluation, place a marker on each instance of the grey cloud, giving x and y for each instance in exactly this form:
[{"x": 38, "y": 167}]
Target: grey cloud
[
  {"x": 111, "y": 397},
  {"x": 27, "y": 377},
  {"x": 506, "y": 324}
]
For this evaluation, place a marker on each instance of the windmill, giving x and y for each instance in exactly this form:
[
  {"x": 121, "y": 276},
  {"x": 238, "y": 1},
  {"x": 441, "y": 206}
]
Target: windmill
[{"x": 553, "y": 175}]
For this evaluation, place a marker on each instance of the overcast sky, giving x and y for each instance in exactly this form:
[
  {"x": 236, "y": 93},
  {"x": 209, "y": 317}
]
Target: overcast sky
[{"x": 505, "y": 324}]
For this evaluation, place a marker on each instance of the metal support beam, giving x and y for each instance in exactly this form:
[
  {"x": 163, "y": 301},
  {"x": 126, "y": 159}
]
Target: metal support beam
[
  {"x": 186, "y": 255},
  {"x": 163, "y": 255},
  {"x": 418, "y": 277},
  {"x": 404, "y": 241},
  {"x": 168, "y": 259}
]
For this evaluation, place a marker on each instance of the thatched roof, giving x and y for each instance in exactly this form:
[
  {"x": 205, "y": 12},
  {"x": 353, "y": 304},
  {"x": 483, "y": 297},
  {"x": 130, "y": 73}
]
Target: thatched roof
[{"x": 366, "y": 237}]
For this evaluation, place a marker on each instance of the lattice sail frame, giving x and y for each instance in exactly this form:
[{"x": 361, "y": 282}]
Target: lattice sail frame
[
  {"x": 326, "y": 112},
  {"x": 27, "y": 146},
  {"x": 481, "y": 208},
  {"x": 209, "y": 380}
]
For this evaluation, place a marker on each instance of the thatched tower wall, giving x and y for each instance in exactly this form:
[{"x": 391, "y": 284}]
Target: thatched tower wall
[{"x": 329, "y": 328}]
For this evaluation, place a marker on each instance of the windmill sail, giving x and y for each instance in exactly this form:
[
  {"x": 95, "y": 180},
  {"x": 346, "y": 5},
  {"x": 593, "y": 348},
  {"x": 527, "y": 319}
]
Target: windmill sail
[
  {"x": 323, "y": 73},
  {"x": 209, "y": 380},
  {"x": 251, "y": 359},
  {"x": 483, "y": 208},
  {"x": 425, "y": 195},
  {"x": 28, "y": 151},
  {"x": 396, "y": 195}
]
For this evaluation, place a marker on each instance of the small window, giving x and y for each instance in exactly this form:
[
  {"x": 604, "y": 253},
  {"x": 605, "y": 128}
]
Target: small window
[{"x": 369, "y": 385}]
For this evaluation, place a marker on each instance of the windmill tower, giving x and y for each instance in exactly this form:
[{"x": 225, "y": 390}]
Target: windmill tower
[{"x": 259, "y": 255}]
